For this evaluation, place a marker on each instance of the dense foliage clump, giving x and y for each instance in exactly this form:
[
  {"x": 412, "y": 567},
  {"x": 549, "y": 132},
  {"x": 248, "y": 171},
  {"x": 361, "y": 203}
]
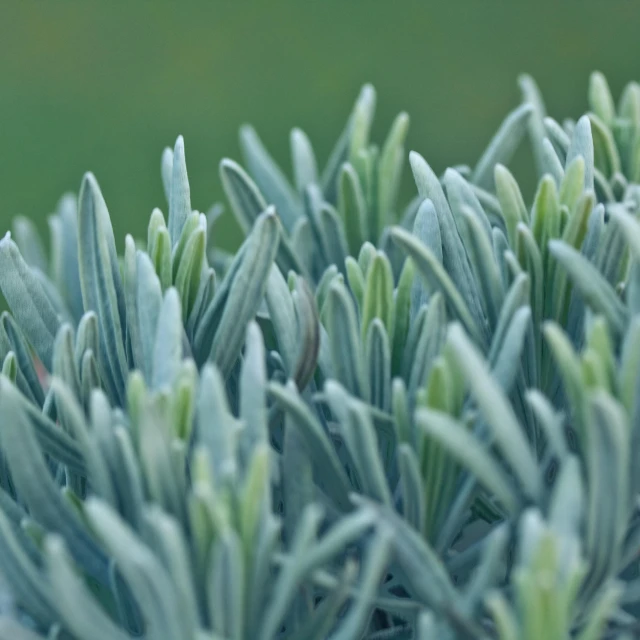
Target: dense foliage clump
[{"x": 372, "y": 422}]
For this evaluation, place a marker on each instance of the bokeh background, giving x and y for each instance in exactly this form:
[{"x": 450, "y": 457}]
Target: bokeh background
[{"x": 105, "y": 86}]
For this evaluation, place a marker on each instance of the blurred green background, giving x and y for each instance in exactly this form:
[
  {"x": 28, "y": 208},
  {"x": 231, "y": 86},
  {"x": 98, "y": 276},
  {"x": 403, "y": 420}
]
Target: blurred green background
[{"x": 105, "y": 86}]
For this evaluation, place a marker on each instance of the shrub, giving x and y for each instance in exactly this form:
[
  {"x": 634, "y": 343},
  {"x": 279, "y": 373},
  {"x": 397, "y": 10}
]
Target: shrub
[{"x": 371, "y": 422}]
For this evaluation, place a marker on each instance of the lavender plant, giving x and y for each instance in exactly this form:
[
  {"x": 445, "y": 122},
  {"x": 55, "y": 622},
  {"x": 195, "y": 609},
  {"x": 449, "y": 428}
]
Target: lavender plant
[{"x": 374, "y": 421}]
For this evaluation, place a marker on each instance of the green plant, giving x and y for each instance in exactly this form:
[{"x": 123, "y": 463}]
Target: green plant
[{"x": 370, "y": 423}]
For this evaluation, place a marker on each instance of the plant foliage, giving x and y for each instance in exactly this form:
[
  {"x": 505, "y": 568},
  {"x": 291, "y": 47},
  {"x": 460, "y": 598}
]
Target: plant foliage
[{"x": 375, "y": 421}]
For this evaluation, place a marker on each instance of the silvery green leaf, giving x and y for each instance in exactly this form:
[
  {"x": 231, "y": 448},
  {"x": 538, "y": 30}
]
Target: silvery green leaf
[
  {"x": 402, "y": 320},
  {"x": 461, "y": 195},
  {"x": 283, "y": 317},
  {"x": 378, "y": 295},
  {"x": 437, "y": 277},
  {"x": 329, "y": 471},
  {"x": 611, "y": 256},
  {"x": 80, "y": 611},
  {"x": 162, "y": 477},
  {"x": 303, "y": 249},
  {"x": 27, "y": 582},
  {"x": 54, "y": 296},
  {"x": 148, "y": 304},
  {"x": 596, "y": 291},
  {"x": 180, "y": 199},
  {"x": 305, "y": 168},
  {"x": 573, "y": 235},
  {"x": 166, "y": 169},
  {"x": 552, "y": 164},
  {"x": 333, "y": 231},
  {"x": 36, "y": 487},
  {"x": 192, "y": 223},
  {"x": 322, "y": 289},
  {"x": 101, "y": 282},
  {"x": 245, "y": 197},
  {"x": 26, "y": 297},
  {"x": 569, "y": 369},
  {"x": 531, "y": 95},
  {"x": 361, "y": 121},
  {"x": 156, "y": 224},
  {"x": 298, "y": 486},
  {"x": 503, "y": 145},
  {"x": 188, "y": 276},
  {"x": 413, "y": 499},
  {"x": 253, "y": 379},
  {"x": 171, "y": 546},
  {"x": 600, "y": 99},
  {"x": 629, "y": 106},
  {"x": 10, "y": 367},
  {"x": 629, "y": 366},
  {"x": 269, "y": 178},
  {"x": 427, "y": 229},
  {"x": 454, "y": 257},
  {"x": 468, "y": 451},
  {"x": 487, "y": 273},
  {"x": 130, "y": 281},
  {"x": 582, "y": 145},
  {"x": 629, "y": 227},
  {"x": 500, "y": 250},
  {"x": 144, "y": 573},
  {"x": 29, "y": 243},
  {"x": 346, "y": 347},
  {"x": 512, "y": 204},
  {"x": 226, "y": 587},
  {"x": 223, "y": 325},
  {"x": 357, "y": 429},
  {"x": 545, "y": 215},
  {"x": 352, "y": 207},
  {"x": 430, "y": 332},
  {"x": 375, "y": 561},
  {"x": 72, "y": 418},
  {"x": 160, "y": 254},
  {"x": 497, "y": 411},
  {"x": 309, "y": 334},
  {"x": 355, "y": 278},
  {"x": 216, "y": 426},
  {"x": 530, "y": 257},
  {"x": 167, "y": 345},
  {"x": 64, "y": 361},
  {"x": 607, "y": 460},
  {"x": 595, "y": 230},
  {"x": 558, "y": 138},
  {"x": 508, "y": 359},
  {"x": 206, "y": 292},
  {"x": 607, "y": 158},
  {"x": 567, "y": 502},
  {"x": 365, "y": 256},
  {"x": 390, "y": 169},
  {"x": 12, "y": 339}
]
